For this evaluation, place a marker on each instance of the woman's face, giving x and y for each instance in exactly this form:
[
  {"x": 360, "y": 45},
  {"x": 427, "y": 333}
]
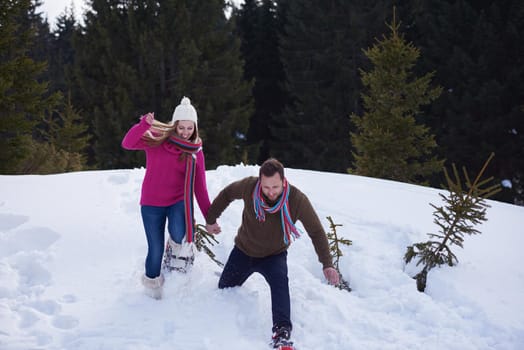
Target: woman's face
[{"x": 184, "y": 129}]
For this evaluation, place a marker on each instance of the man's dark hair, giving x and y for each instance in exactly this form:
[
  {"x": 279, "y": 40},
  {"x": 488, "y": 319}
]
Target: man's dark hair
[{"x": 270, "y": 167}]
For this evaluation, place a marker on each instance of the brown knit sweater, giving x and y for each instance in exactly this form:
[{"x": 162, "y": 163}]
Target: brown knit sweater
[{"x": 260, "y": 239}]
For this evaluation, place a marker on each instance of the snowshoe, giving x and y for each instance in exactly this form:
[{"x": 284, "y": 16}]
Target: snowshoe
[
  {"x": 178, "y": 257},
  {"x": 280, "y": 339}
]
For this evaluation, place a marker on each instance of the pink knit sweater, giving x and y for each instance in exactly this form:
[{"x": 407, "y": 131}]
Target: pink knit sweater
[{"x": 163, "y": 183}]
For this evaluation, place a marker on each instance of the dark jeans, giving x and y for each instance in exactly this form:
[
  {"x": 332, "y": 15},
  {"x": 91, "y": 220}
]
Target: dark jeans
[
  {"x": 240, "y": 266},
  {"x": 154, "y": 219}
]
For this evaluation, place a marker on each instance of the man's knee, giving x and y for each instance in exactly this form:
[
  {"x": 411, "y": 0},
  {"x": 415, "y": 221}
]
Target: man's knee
[
  {"x": 221, "y": 282},
  {"x": 230, "y": 279},
  {"x": 222, "y": 285}
]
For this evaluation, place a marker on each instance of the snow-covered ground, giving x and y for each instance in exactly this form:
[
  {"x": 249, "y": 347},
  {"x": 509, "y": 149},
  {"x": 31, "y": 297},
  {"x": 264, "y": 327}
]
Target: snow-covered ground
[{"x": 72, "y": 249}]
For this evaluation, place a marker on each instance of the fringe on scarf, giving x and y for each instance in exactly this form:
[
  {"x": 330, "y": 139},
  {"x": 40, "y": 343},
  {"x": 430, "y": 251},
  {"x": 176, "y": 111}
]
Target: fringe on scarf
[
  {"x": 289, "y": 229},
  {"x": 189, "y": 182}
]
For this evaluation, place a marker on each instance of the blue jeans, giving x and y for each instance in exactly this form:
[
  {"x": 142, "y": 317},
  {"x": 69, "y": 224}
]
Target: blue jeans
[
  {"x": 240, "y": 266},
  {"x": 154, "y": 219}
]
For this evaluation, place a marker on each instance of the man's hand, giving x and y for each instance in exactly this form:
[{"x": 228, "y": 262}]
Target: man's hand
[
  {"x": 213, "y": 228},
  {"x": 332, "y": 276}
]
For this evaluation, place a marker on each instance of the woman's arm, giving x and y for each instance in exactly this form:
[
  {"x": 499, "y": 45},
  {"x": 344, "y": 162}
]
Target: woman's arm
[{"x": 133, "y": 139}]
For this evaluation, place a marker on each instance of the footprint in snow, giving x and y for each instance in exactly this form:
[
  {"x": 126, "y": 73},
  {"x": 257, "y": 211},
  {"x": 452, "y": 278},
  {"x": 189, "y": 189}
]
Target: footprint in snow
[
  {"x": 119, "y": 179},
  {"x": 11, "y": 221},
  {"x": 65, "y": 322},
  {"x": 30, "y": 239}
]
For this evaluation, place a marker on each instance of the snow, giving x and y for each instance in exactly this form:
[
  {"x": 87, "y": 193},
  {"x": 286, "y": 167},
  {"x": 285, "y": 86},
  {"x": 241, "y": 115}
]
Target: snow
[
  {"x": 72, "y": 249},
  {"x": 52, "y": 9}
]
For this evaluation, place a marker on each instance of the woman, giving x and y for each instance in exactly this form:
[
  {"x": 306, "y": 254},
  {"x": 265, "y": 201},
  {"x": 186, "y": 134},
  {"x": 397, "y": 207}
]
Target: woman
[{"x": 175, "y": 170}]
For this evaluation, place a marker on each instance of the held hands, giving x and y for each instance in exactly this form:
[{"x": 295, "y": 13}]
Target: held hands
[
  {"x": 213, "y": 228},
  {"x": 332, "y": 276}
]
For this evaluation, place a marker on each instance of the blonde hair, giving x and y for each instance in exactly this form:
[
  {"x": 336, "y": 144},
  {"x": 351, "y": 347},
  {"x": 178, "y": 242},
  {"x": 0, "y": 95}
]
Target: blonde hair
[{"x": 160, "y": 132}]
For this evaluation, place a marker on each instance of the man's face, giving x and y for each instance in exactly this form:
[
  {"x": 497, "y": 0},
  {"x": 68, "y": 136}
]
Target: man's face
[{"x": 272, "y": 186}]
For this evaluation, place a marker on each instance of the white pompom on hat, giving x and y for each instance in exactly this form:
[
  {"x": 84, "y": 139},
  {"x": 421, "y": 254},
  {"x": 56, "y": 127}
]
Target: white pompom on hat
[{"x": 185, "y": 111}]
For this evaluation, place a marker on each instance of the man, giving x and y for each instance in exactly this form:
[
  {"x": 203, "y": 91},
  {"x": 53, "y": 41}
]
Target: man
[{"x": 271, "y": 208}]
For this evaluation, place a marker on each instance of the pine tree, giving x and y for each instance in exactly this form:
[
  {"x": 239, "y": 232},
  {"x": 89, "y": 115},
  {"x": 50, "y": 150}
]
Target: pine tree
[
  {"x": 143, "y": 56},
  {"x": 62, "y": 54},
  {"x": 389, "y": 141},
  {"x": 223, "y": 97},
  {"x": 258, "y": 25},
  {"x": 313, "y": 46},
  {"x": 318, "y": 47},
  {"x": 66, "y": 131},
  {"x": 465, "y": 207},
  {"x": 24, "y": 97},
  {"x": 481, "y": 70},
  {"x": 106, "y": 83},
  {"x": 44, "y": 158}
]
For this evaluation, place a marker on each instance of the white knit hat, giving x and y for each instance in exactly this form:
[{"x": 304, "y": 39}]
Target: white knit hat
[{"x": 185, "y": 111}]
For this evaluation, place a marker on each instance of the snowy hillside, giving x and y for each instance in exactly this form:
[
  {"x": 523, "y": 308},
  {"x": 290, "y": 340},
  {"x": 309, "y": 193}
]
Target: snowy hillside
[{"x": 72, "y": 248}]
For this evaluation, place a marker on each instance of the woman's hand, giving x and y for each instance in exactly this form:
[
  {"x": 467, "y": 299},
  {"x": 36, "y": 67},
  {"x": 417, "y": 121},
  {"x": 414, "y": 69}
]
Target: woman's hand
[{"x": 149, "y": 117}]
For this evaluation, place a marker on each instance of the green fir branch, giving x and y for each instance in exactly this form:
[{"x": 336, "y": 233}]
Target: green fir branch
[
  {"x": 334, "y": 247},
  {"x": 202, "y": 241}
]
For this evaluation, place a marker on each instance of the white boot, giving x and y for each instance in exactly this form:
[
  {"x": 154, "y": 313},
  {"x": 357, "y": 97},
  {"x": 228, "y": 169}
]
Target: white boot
[
  {"x": 153, "y": 286},
  {"x": 179, "y": 257}
]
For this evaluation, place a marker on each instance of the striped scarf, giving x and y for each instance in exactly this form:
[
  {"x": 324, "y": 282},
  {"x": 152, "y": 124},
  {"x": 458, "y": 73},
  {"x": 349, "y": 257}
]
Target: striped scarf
[
  {"x": 261, "y": 207},
  {"x": 190, "y": 149}
]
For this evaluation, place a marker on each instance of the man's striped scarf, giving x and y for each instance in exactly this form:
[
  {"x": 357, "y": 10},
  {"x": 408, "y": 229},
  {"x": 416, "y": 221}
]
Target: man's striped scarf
[
  {"x": 189, "y": 182},
  {"x": 261, "y": 207}
]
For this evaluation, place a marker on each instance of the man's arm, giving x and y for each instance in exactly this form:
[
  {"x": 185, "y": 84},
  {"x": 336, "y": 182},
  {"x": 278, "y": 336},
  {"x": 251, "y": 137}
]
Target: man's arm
[
  {"x": 231, "y": 192},
  {"x": 315, "y": 230}
]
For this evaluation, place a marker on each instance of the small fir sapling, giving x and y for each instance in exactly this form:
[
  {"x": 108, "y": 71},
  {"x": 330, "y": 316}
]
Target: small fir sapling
[
  {"x": 336, "y": 252},
  {"x": 202, "y": 241},
  {"x": 463, "y": 209}
]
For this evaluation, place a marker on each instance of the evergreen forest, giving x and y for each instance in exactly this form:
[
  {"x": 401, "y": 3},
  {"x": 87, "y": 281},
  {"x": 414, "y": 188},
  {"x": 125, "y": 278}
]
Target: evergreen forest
[{"x": 389, "y": 89}]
